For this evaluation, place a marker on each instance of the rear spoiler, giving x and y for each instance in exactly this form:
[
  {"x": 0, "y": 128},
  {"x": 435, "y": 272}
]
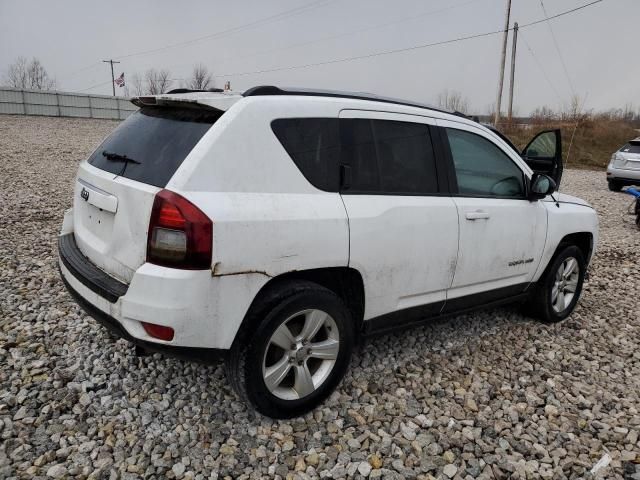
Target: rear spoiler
[
  {"x": 219, "y": 104},
  {"x": 168, "y": 102}
]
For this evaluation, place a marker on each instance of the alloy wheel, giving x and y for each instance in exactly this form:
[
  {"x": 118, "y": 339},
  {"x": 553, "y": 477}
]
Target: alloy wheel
[
  {"x": 301, "y": 354},
  {"x": 565, "y": 284}
]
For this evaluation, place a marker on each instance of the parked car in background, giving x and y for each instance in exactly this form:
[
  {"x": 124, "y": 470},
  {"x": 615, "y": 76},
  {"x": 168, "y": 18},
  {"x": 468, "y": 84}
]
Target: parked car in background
[
  {"x": 276, "y": 228},
  {"x": 624, "y": 167}
]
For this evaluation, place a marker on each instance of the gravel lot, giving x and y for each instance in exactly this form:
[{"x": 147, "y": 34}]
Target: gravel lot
[{"x": 488, "y": 395}]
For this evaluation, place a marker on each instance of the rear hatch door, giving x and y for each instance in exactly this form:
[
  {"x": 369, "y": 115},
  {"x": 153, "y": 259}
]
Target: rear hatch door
[
  {"x": 631, "y": 155},
  {"x": 116, "y": 186}
]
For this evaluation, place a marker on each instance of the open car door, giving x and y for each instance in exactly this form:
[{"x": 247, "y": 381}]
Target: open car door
[{"x": 543, "y": 154}]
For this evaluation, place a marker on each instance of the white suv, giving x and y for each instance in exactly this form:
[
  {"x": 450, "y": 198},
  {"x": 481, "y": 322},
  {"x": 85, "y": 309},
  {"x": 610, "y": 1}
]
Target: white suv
[
  {"x": 624, "y": 166},
  {"x": 279, "y": 227}
]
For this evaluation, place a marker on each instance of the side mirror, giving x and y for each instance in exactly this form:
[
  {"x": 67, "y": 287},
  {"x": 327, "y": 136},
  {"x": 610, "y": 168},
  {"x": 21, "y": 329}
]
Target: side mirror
[{"x": 540, "y": 186}]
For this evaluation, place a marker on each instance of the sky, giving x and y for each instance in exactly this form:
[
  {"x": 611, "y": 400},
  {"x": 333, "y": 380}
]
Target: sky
[{"x": 594, "y": 56}]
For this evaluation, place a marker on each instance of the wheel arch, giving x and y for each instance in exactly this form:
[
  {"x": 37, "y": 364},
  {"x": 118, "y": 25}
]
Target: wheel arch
[
  {"x": 345, "y": 282},
  {"x": 582, "y": 240}
]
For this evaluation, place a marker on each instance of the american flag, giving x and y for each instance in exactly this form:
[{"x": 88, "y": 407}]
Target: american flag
[{"x": 120, "y": 80}]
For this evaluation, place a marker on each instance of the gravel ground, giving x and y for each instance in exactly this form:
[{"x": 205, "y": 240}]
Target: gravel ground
[{"x": 488, "y": 395}]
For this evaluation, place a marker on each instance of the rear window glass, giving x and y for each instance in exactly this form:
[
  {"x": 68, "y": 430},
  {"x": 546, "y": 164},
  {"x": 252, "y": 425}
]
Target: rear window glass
[
  {"x": 155, "y": 141},
  {"x": 631, "y": 147},
  {"x": 314, "y": 146}
]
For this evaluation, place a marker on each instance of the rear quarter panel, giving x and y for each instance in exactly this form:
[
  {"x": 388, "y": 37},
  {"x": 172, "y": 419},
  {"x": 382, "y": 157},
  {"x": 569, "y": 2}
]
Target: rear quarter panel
[{"x": 267, "y": 218}]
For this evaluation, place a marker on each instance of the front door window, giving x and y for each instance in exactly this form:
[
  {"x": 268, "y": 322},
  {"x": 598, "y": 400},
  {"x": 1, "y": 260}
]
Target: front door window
[{"x": 482, "y": 169}]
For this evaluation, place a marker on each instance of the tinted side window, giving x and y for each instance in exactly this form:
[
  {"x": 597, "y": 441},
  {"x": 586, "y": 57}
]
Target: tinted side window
[
  {"x": 314, "y": 146},
  {"x": 389, "y": 157},
  {"x": 482, "y": 169},
  {"x": 359, "y": 152}
]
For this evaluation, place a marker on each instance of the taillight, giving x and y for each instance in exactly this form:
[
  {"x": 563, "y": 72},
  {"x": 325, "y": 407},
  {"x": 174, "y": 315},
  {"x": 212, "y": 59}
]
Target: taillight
[{"x": 180, "y": 235}]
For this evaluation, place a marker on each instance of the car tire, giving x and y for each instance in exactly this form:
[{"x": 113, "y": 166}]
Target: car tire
[
  {"x": 294, "y": 350},
  {"x": 614, "y": 186},
  {"x": 559, "y": 288}
]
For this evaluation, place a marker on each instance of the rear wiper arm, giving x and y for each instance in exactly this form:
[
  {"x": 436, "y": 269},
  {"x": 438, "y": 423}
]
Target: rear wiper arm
[{"x": 117, "y": 156}]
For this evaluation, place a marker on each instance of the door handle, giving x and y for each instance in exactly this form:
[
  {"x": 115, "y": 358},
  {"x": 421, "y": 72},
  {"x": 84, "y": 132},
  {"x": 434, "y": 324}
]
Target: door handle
[{"x": 477, "y": 215}]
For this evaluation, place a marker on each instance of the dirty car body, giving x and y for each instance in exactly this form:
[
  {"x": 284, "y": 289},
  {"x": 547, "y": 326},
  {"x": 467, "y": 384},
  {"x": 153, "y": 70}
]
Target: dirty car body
[{"x": 202, "y": 207}]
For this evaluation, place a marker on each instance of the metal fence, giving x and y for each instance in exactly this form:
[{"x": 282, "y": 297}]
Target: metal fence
[{"x": 63, "y": 104}]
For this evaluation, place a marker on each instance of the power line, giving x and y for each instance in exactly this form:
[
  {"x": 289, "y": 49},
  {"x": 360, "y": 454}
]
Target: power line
[
  {"x": 354, "y": 32},
  {"x": 360, "y": 57},
  {"x": 406, "y": 49},
  {"x": 350, "y": 33},
  {"x": 541, "y": 67},
  {"x": 272, "y": 18},
  {"x": 104, "y": 83},
  {"x": 93, "y": 86},
  {"x": 93, "y": 65},
  {"x": 398, "y": 50},
  {"x": 555, "y": 42},
  {"x": 561, "y": 14}
]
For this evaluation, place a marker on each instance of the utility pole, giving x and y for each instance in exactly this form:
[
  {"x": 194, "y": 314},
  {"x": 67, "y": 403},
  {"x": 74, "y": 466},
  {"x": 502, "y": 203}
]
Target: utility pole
[
  {"x": 502, "y": 63},
  {"x": 113, "y": 79},
  {"x": 513, "y": 69}
]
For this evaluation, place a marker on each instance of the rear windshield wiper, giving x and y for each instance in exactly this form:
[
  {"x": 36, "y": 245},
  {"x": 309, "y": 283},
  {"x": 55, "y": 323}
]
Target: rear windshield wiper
[{"x": 117, "y": 156}]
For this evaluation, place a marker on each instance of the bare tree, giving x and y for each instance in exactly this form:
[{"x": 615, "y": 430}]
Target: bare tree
[
  {"x": 628, "y": 112},
  {"x": 543, "y": 115},
  {"x": 453, "y": 100},
  {"x": 201, "y": 78},
  {"x": 574, "y": 112},
  {"x": 16, "y": 76},
  {"x": 25, "y": 74},
  {"x": 163, "y": 81},
  {"x": 38, "y": 76},
  {"x": 157, "y": 81},
  {"x": 137, "y": 84}
]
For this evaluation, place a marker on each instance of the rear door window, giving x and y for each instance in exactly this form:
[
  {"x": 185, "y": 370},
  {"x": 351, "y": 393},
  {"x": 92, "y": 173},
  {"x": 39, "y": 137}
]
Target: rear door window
[
  {"x": 155, "y": 142},
  {"x": 389, "y": 157},
  {"x": 314, "y": 146}
]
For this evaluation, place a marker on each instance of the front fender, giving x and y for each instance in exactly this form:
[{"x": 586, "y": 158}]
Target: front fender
[{"x": 566, "y": 219}]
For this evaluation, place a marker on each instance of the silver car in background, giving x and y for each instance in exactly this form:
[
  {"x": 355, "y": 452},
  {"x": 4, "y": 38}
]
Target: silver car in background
[{"x": 624, "y": 167}]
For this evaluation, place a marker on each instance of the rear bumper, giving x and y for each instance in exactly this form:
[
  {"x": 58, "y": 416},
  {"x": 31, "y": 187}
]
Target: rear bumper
[
  {"x": 87, "y": 273},
  {"x": 173, "y": 298},
  {"x": 623, "y": 176},
  {"x": 202, "y": 355}
]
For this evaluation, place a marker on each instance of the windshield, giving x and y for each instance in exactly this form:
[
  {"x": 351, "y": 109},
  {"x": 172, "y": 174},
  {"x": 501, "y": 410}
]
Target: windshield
[{"x": 152, "y": 143}]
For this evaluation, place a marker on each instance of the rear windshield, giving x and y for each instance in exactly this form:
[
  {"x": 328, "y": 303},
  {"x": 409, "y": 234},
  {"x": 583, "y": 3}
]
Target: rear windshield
[
  {"x": 155, "y": 141},
  {"x": 631, "y": 147}
]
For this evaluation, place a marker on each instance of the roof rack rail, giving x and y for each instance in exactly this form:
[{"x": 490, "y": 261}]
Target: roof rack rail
[
  {"x": 189, "y": 90},
  {"x": 264, "y": 90}
]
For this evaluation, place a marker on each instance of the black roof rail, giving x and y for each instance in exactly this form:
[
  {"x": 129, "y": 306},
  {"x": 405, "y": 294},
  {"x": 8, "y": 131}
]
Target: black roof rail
[
  {"x": 263, "y": 90},
  {"x": 189, "y": 90}
]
